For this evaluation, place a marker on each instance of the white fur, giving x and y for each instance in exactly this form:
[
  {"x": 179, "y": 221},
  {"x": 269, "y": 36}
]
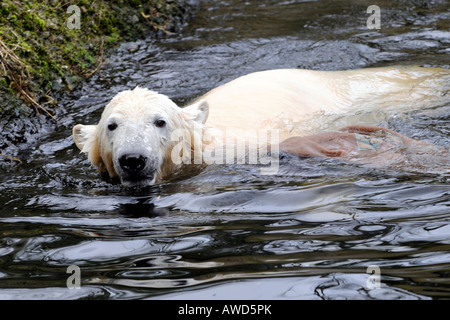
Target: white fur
[{"x": 283, "y": 100}]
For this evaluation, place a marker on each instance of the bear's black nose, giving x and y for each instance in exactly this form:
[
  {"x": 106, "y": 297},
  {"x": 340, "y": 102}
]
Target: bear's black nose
[{"x": 132, "y": 163}]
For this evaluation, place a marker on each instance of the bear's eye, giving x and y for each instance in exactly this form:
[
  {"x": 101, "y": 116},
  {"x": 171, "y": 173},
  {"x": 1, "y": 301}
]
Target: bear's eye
[
  {"x": 160, "y": 123},
  {"x": 112, "y": 126}
]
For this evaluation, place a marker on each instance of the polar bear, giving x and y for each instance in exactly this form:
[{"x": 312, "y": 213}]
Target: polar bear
[{"x": 143, "y": 137}]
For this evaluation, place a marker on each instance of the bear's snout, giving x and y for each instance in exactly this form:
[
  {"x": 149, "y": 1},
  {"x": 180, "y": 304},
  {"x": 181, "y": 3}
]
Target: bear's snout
[
  {"x": 132, "y": 163},
  {"x": 136, "y": 168}
]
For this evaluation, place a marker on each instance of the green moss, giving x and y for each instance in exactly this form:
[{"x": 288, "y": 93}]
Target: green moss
[{"x": 38, "y": 34}]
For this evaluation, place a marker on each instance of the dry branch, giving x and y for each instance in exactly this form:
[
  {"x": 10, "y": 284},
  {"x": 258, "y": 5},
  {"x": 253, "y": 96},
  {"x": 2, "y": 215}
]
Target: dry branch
[
  {"x": 98, "y": 61},
  {"x": 15, "y": 69}
]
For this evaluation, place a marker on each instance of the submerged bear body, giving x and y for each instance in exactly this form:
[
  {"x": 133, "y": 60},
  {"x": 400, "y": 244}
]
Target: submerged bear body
[
  {"x": 143, "y": 137},
  {"x": 288, "y": 98}
]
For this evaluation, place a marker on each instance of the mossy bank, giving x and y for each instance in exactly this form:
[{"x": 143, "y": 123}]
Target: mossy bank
[{"x": 48, "y": 47}]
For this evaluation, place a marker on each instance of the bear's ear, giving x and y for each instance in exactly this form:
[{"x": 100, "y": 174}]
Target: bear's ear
[
  {"x": 198, "y": 112},
  {"x": 87, "y": 141},
  {"x": 83, "y": 135}
]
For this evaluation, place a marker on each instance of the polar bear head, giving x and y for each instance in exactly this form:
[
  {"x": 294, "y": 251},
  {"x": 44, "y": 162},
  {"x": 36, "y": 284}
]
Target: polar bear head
[{"x": 134, "y": 137}]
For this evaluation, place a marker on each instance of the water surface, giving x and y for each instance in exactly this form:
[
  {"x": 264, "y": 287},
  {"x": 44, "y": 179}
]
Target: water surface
[{"x": 309, "y": 232}]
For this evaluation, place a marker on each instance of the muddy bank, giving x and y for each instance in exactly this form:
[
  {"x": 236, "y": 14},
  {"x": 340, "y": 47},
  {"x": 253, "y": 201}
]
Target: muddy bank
[{"x": 49, "y": 49}]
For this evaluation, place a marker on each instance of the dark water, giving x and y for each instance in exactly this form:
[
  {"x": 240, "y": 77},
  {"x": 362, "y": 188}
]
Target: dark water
[{"x": 310, "y": 232}]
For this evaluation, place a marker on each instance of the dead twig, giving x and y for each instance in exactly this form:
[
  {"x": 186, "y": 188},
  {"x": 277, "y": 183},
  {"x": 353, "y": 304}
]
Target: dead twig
[
  {"x": 11, "y": 158},
  {"x": 98, "y": 61},
  {"x": 154, "y": 14},
  {"x": 62, "y": 4},
  {"x": 15, "y": 69}
]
